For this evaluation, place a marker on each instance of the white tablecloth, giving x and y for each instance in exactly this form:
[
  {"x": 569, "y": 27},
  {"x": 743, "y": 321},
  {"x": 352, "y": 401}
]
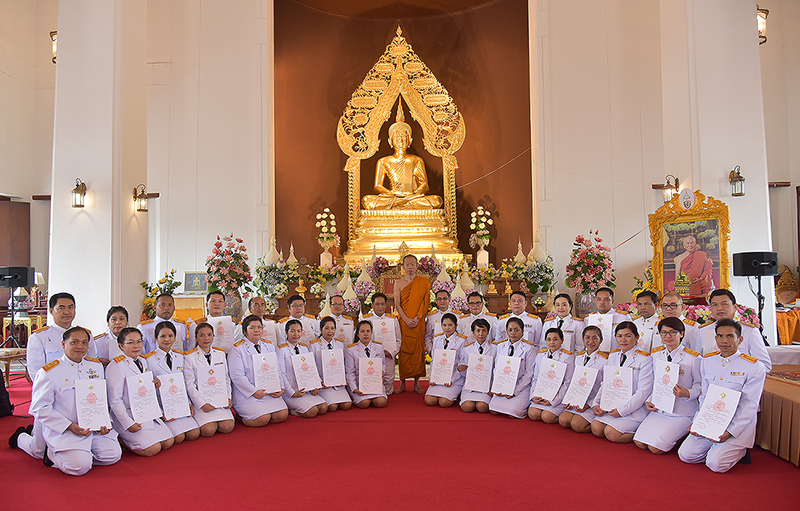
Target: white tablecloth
[{"x": 783, "y": 355}]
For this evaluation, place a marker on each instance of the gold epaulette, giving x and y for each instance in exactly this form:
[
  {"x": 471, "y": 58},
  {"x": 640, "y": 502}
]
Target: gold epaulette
[
  {"x": 581, "y": 352},
  {"x": 548, "y": 320},
  {"x": 470, "y": 344},
  {"x": 390, "y": 315},
  {"x": 119, "y": 358},
  {"x": 180, "y": 352},
  {"x": 497, "y": 342},
  {"x": 352, "y": 318},
  {"x": 602, "y": 354},
  {"x": 492, "y": 315},
  {"x": 238, "y": 343},
  {"x": 576, "y": 318},
  {"x": 378, "y": 342},
  {"x": 749, "y": 358},
  {"x": 707, "y": 324},
  {"x": 432, "y": 311},
  {"x": 98, "y": 336},
  {"x": 337, "y": 339},
  {"x": 369, "y": 315},
  {"x": 351, "y": 345},
  {"x": 147, "y": 321},
  {"x": 309, "y": 316},
  {"x": 283, "y": 345},
  {"x": 711, "y": 354},
  {"x": 504, "y": 316},
  {"x": 614, "y": 351},
  {"x": 531, "y": 315},
  {"x": 463, "y": 316},
  {"x": 461, "y": 335},
  {"x": 642, "y": 352},
  {"x": 191, "y": 351},
  {"x": 148, "y": 355},
  {"x": 314, "y": 341},
  {"x": 659, "y": 348},
  {"x": 689, "y": 322},
  {"x": 529, "y": 342},
  {"x": 52, "y": 364},
  {"x": 41, "y": 329},
  {"x": 201, "y": 320},
  {"x": 566, "y": 351},
  {"x": 691, "y": 352},
  {"x": 542, "y": 351},
  {"x": 747, "y": 323},
  {"x": 92, "y": 359},
  {"x": 437, "y": 335},
  {"x": 284, "y": 319},
  {"x": 218, "y": 348}
]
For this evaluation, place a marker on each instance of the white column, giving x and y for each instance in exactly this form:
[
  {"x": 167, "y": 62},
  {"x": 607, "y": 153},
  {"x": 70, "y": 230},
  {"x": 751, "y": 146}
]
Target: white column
[{"x": 99, "y": 253}]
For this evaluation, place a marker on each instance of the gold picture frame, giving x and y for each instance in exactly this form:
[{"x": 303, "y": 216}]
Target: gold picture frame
[{"x": 705, "y": 260}]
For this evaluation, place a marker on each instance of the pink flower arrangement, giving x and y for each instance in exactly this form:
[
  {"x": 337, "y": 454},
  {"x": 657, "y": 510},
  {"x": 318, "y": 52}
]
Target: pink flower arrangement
[
  {"x": 429, "y": 265},
  {"x": 351, "y": 306},
  {"x": 590, "y": 266},
  {"x": 227, "y": 266},
  {"x": 458, "y": 304},
  {"x": 438, "y": 285},
  {"x": 364, "y": 287},
  {"x": 380, "y": 266}
]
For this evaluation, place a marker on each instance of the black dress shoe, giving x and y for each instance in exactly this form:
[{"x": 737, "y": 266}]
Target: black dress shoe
[
  {"x": 47, "y": 462},
  {"x": 746, "y": 460},
  {"x": 12, "y": 441}
]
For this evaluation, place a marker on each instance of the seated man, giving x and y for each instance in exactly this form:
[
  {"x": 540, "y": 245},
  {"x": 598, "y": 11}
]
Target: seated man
[
  {"x": 70, "y": 448},
  {"x": 734, "y": 370}
]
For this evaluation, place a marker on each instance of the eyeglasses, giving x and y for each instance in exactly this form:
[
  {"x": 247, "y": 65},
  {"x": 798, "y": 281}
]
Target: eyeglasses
[
  {"x": 133, "y": 343},
  {"x": 474, "y": 303},
  {"x": 669, "y": 306},
  {"x": 668, "y": 333}
]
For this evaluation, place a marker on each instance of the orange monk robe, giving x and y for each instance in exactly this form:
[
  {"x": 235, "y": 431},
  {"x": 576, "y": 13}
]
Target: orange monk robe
[
  {"x": 697, "y": 266},
  {"x": 415, "y": 299}
]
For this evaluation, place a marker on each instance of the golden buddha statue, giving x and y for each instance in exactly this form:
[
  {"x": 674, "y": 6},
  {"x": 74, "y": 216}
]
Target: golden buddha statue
[{"x": 408, "y": 180}]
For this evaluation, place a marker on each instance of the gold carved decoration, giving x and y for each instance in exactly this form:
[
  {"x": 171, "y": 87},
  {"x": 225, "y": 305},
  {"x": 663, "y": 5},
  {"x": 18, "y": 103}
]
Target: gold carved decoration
[
  {"x": 707, "y": 220},
  {"x": 400, "y": 72}
]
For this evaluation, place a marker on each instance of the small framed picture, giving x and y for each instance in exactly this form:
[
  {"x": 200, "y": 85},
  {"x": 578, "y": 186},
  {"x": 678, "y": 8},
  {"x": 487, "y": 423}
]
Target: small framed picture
[{"x": 195, "y": 282}]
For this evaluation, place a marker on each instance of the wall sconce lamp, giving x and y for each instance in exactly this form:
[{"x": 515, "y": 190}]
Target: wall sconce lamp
[
  {"x": 78, "y": 193},
  {"x": 54, "y": 38},
  {"x": 140, "y": 198},
  {"x": 670, "y": 188},
  {"x": 761, "y": 18},
  {"x": 737, "y": 182}
]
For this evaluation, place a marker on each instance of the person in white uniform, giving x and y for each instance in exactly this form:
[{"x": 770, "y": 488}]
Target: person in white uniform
[
  {"x": 619, "y": 424},
  {"x": 386, "y": 330},
  {"x": 337, "y": 397},
  {"x": 661, "y": 430},
  {"x": 345, "y": 325},
  {"x": 570, "y": 326},
  {"x": 543, "y": 409},
  {"x": 208, "y": 363},
  {"x": 646, "y": 320},
  {"x": 255, "y": 406},
  {"x": 434, "y": 321},
  {"x": 471, "y": 400},
  {"x": 224, "y": 326},
  {"x": 165, "y": 363},
  {"x": 579, "y": 418},
  {"x": 723, "y": 306},
  {"x": 165, "y": 309},
  {"x": 106, "y": 344},
  {"x": 672, "y": 307},
  {"x": 516, "y": 404},
  {"x": 301, "y": 401},
  {"x": 297, "y": 311},
  {"x": 737, "y": 371},
  {"x": 366, "y": 347},
  {"x": 146, "y": 438},
  {"x": 517, "y": 302},
  {"x": 475, "y": 303},
  {"x": 446, "y": 394},
  {"x": 604, "y": 303},
  {"x": 68, "y": 447}
]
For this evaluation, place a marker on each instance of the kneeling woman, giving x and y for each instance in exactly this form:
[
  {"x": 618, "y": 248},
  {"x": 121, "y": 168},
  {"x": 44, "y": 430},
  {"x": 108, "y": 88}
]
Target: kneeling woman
[
  {"x": 255, "y": 406},
  {"x": 549, "y": 410},
  {"x": 144, "y": 439},
  {"x": 164, "y": 361},
  {"x": 207, "y": 364},
  {"x": 301, "y": 402},
  {"x": 619, "y": 424},
  {"x": 661, "y": 430},
  {"x": 446, "y": 394},
  {"x": 580, "y": 418},
  {"x": 336, "y": 397},
  {"x": 365, "y": 348},
  {"x": 516, "y": 404}
]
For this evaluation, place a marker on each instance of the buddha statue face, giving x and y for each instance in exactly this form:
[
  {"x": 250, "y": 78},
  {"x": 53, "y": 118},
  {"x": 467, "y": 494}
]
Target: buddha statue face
[{"x": 400, "y": 137}]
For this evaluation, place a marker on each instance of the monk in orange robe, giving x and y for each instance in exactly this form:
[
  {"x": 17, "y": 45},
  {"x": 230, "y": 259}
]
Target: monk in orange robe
[
  {"x": 697, "y": 266},
  {"x": 414, "y": 293}
]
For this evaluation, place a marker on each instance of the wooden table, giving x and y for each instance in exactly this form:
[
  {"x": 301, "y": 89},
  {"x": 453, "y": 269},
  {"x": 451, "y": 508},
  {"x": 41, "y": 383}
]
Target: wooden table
[
  {"x": 8, "y": 355},
  {"x": 31, "y": 323}
]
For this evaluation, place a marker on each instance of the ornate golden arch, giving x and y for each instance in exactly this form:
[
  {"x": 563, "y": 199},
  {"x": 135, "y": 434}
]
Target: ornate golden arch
[{"x": 400, "y": 72}]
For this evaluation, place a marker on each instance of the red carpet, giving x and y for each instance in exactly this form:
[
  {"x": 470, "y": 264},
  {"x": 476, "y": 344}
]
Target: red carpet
[{"x": 404, "y": 456}]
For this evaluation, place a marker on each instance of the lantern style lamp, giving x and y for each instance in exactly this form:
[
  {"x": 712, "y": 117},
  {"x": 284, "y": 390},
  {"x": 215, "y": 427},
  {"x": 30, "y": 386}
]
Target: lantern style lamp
[
  {"x": 54, "y": 38},
  {"x": 761, "y": 18},
  {"x": 78, "y": 194},
  {"x": 140, "y": 198},
  {"x": 670, "y": 188},
  {"x": 737, "y": 182}
]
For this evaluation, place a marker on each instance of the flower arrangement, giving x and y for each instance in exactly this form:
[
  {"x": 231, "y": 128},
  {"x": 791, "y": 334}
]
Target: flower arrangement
[
  {"x": 281, "y": 290},
  {"x": 166, "y": 285},
  {"x": 590, "y": 266},
  {"x": 317, "y": 289},
  {"x": 702, "y": 314},
  {"x": 439, "y": 285},
  {"x": 380, "y": 266},
  {"x": 479, "y": 222},
  {"x": 368, "y": 299},
  {"x": 269, "y": 276},
  {"x": 482, "y": 274},
  {"x": 326, "y": 223},
  {"x": 648, "y": 283},
  {"x": 351, "y": 306},
  {"x": 324, "y": 273},
  {"x": 458, "y": 304},
  {"x": 628, "y": 308},
  {"x": 364, "y": 287},
  {"x": 227, "y": 267},
  {"x": 428, "y": 265},
  {"x": 536, "y": 277}
]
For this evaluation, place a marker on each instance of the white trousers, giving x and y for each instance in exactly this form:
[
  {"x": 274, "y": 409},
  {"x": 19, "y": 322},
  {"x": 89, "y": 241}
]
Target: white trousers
[{"x": 718, "y": 456}]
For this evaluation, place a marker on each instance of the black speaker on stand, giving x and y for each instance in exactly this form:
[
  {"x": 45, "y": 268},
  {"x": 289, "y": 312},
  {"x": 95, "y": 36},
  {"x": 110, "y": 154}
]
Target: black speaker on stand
[
  {"x": 14, "y": 277},
  {"x": 756, "y": 264}
]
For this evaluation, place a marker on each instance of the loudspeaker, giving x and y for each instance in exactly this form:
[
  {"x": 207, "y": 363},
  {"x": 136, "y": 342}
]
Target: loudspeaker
[
  {"x": 17, "y": 276},
  {"x": 755, "y": 264}
]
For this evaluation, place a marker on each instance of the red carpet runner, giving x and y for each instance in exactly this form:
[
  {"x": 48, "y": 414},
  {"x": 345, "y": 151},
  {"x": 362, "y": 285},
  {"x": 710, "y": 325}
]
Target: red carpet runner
[{"x": 405, "y": 456}]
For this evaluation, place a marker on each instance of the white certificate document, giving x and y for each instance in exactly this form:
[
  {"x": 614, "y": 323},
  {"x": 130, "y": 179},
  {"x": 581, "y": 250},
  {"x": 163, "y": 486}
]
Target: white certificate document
[
  {"x": 479, "y": 373},
  {"x": 617, "y": 387},
  {"x": 385, "y": 334},
  {"x": 716, "y": 412},
  {"x": 223, "y": 332},
  {"x": 174, "y": 400},
  {"x": 551, "y": 375},
  {"x": 583, "y": 380},
  {"x": 442, "y": 366},
  {"x": 305, "y": 371},
  {"x": 370, "y": 375},
  {"x": 666, "y": 377},
  {"x": 265, "y": 371},
  {"x": 505, "y": 375},
  {"x": 91, "y": 403},
  {"x": 211, "y": 384},
  {"x": 605, "y": 322},
  {"x": 142, "y": 397},
  {"x": 332, "y": 367}
]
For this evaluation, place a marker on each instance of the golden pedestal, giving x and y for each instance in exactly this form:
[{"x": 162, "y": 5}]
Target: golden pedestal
[{"x": 386, "y": 229}]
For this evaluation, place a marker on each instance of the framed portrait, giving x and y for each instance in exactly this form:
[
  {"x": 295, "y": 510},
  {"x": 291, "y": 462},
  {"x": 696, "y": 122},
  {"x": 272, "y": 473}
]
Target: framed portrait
[
  {"x": 690, "y": 245},
  {"x": 195, "y": 282}
]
